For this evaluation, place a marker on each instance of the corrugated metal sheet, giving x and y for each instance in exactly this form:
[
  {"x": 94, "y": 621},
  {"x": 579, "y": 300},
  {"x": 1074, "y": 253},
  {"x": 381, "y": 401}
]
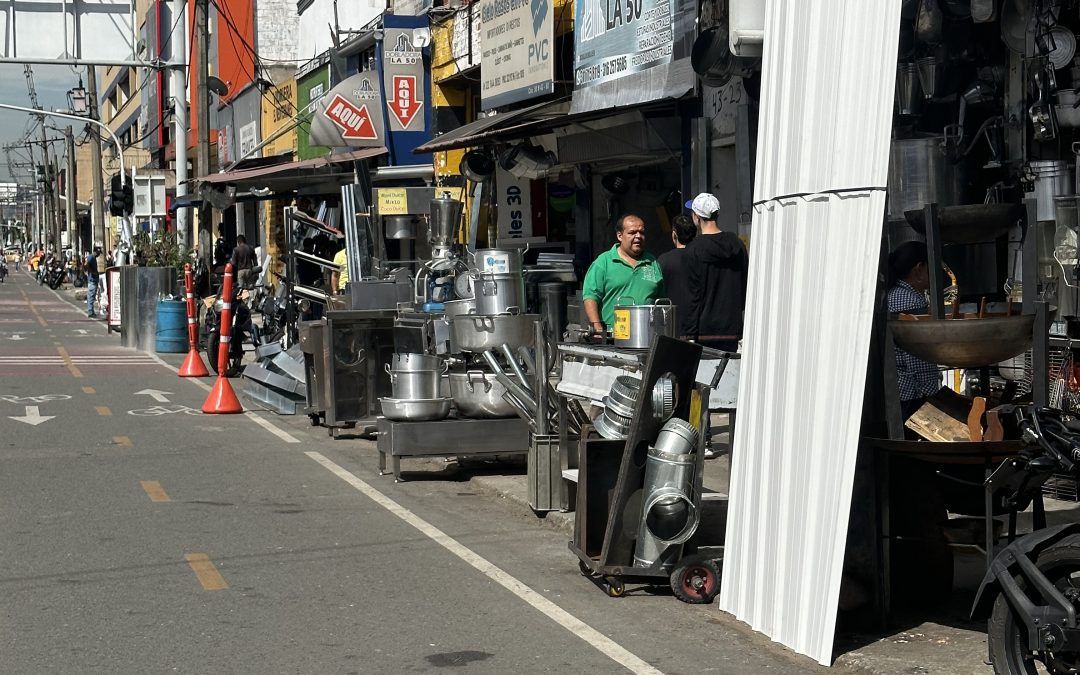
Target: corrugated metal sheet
[{"x": 825, "y": 120}]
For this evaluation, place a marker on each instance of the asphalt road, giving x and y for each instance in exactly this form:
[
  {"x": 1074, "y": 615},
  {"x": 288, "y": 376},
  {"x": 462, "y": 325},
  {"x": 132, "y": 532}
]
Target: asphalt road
[{"x": 137, "y": 534}]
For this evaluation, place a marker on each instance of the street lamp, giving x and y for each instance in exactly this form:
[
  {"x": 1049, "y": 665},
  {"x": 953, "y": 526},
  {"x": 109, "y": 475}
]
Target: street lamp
[{"x": 78, "y": 101}]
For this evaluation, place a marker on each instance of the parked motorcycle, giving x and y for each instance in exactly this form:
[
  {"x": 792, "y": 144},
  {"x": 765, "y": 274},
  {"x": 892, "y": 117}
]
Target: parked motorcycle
[
  {"x": 243, "y": 331},
  {"x": 54, "y": 275},
  {"x": 279, "y": 313},
  {"x": 76, "y": 275},
  {"x": 1031, "y": 593}
]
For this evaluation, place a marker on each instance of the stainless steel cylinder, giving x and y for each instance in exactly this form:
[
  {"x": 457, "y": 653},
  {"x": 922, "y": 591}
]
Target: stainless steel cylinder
[
  {"x": 410, "y": 385},
  {"x": 499, "y": 293},
  {"x": 445, "y": 217},
  {"x": 668, "y": 514}
]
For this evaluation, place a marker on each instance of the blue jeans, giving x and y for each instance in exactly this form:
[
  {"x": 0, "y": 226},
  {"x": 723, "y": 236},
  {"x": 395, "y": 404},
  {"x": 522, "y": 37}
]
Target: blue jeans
[{"x": 91, "y": 293}]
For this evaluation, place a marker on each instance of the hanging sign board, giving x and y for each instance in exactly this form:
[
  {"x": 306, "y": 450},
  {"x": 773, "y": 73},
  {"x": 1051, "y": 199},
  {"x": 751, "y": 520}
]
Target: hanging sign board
[
  {"x": 350, "y": 114},
  {"x": 517, "y": 59},
  {"x": 403, "y": 80},
  {"x": 392, "y": 201},
  {"x": 515, "y": 205},
  {"x": 643, "y": 46}
]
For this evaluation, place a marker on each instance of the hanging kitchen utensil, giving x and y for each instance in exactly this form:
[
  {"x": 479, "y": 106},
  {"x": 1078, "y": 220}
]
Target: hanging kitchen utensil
[
  {"x": 928, "y": 22},
  {"x": 1061, "y": 46},
  {"x": 931, "y": 71},
  {"x": 1041, "y": 113},
  {"x": 907, "y": 89},
  {"x": 983, "y": 11},
  {"x": 1016, "y": 16}
]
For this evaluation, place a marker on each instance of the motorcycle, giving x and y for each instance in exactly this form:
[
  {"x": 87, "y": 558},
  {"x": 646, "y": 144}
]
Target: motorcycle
[
  {"x": 243, "y": 330},
  {"x": 76, "y": 275},
  {"x": 55, "y": 274},
  {"x": 1030, "y": 595},
  {"x": 279, "y": 312}
]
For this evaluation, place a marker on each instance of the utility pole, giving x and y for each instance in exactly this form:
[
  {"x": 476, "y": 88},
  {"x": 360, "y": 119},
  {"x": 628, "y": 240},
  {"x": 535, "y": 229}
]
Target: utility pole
[
  {"x": 202, "y": 115},
  {"x": 98, "y": 228},
  {"x": 69, "y": 191},
  {"x": 178, "y": 91}
]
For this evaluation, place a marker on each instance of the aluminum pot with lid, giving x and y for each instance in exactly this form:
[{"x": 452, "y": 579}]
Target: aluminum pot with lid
[
  {"x": 498, "y": 260},
  {"x": 414, "y": 361},
  {"x": 498, "y": 293},
  {"x": 479, "y": 394},
  {"x": 1052, "y": 179},
  {"x": 635, "y": 325},
  {"x": 477, "y": 333}
]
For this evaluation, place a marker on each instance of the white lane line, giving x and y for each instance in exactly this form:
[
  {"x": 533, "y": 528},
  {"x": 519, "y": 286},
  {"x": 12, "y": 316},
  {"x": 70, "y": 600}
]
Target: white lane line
[
  {"x": 595, "y": 638},
  {"x": 265, "y": 424}
]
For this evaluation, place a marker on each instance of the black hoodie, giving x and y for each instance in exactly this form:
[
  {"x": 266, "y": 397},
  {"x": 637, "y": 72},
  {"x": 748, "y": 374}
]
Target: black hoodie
[{"x": 716, "y": 274}]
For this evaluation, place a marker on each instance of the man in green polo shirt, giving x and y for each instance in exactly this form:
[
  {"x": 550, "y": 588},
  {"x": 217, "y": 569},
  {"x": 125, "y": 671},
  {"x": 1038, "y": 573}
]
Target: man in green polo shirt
[{"x": 626, "y": 271}]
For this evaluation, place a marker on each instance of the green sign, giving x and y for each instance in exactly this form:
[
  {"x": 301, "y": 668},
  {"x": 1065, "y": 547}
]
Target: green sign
[{"x": 310, "y": 87}]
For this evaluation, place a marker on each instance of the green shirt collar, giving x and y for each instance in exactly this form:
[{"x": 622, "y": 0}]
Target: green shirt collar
[{"x": 646, "y": 257}]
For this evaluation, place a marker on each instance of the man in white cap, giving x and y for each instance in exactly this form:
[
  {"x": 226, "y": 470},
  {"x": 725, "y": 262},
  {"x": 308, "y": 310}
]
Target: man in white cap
[{"x": 716, "y": 274}]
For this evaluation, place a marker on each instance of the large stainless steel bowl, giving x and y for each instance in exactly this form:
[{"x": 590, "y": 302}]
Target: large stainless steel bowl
[
  {"x": 452, "y": 308},
  {"x": 478, "y": 333},
  {"x": 416, "y": 410},
  {"x": 479, "y": 394},
  {"x": 964, "y": 343}
]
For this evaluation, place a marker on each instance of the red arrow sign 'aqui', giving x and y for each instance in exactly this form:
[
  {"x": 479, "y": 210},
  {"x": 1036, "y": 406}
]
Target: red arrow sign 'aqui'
[
  {"x": 354, "y": 121},
  {"x": 405, "y": 104}
]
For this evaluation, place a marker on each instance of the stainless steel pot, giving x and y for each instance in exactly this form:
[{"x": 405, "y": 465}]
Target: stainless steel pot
[
  {"x": 452, "y": 308},
  {"x": 414, "y": 361},
  {"x": 635, "y": 325},
  {"x": 425, "y": 410},
  {"x": 920, "y": 173},
  {"x": 499, "y": 293},
  {"x": 498, "y": 260},
  {"x": 478, "y": 333},
  {"x": 415, "y": 384},
  {"x": 479, "y": 394},
  {"x": 1068, "y": 114},
  {"x": 1052, "y": 180}
]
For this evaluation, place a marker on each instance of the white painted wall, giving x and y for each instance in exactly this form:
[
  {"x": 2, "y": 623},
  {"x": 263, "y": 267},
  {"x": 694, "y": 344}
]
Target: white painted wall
[{"x": 317, "y": 21}]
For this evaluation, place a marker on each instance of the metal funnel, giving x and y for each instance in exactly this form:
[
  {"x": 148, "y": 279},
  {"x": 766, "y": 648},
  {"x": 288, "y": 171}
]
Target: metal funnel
[
  {"x": 931, "y": 71},
  {"x": 907, "y": 89},
  {"x": 445, "y": 216}
]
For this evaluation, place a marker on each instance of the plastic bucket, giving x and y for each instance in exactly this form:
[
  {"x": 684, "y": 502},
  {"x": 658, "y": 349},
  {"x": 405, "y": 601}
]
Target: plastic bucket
[{"x": 171, "y": 333}]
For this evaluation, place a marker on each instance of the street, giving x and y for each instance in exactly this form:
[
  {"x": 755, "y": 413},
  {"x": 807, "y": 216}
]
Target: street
[{"x": 142, "y": 535}]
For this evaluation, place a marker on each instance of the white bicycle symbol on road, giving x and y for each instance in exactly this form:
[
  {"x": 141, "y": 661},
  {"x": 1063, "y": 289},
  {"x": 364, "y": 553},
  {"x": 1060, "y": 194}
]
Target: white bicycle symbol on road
[
  {"x": 11, "y": 398},
  {"x": 159, "y": 410}
]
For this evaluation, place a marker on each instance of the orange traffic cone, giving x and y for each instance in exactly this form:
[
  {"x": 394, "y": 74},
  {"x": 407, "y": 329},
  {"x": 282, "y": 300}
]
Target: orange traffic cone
[
  {"x": 193, "y": 365},
  {"x": 222, "y": 399}
]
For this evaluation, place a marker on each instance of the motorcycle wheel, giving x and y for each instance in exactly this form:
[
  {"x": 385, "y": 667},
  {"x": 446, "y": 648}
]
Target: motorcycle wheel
[
  {"x": 212, "y": 341},
  {"x": 1009, "y": 649}
]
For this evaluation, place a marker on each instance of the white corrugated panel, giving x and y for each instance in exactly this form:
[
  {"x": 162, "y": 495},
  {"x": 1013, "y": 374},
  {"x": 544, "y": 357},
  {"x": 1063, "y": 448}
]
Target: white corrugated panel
[{"x": 825, "y": 120}]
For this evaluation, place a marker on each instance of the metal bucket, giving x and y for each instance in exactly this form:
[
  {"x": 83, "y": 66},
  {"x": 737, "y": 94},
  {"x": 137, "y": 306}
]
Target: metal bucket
[
  {"x": 635, "y": 325},
  {"x": 412, "y": 385},
  {"x": 1052, "y": 180},
  {"x": 668, "y": 514},
  {"x": 920, "y": 173},
  {"x": 414, "y": 361},
  {"x": 907, "y": 89},
  {"x": 499, "y": 293}
]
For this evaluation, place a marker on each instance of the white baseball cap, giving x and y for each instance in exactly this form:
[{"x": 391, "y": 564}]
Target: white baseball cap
[{"x": 705, "y": 205}]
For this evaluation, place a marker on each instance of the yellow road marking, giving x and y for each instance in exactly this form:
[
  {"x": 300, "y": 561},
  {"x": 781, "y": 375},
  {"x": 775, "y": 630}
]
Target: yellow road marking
[
  {"x": 103, "y": 410},
  {"x": 208, "y": 575},
  {"x": 75, "y": 372},
  {"x": 89, "y": 390},
  {"x": 121, "y": 440},
  {"x": 154, "y": 490},
  {"x": 33, "y": 309}
]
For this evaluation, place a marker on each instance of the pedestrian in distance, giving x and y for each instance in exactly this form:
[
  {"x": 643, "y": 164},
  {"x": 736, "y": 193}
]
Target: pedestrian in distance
[
  {"x": 93, "y": 276},
  {"x": 243, "y": 261}
]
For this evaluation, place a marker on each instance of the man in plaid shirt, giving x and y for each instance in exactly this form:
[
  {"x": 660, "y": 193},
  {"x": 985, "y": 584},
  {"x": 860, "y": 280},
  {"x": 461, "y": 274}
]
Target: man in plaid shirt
[{"x": 910, "y": 279}]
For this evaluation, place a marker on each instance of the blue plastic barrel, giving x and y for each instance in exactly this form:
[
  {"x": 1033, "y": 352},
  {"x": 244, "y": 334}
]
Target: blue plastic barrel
[{"x": 171, "y": 333}]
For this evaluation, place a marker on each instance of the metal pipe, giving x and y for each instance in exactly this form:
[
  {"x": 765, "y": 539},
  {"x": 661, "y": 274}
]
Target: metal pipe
[
  {"x": 539, "y": 370},
  {"x": 388, "y": 173},
  {"x": 505, "y": 381},
  {"x": 516, "y": 367}
]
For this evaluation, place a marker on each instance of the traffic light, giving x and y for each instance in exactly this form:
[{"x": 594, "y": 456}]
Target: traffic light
[{"x": 121, "y": 197}]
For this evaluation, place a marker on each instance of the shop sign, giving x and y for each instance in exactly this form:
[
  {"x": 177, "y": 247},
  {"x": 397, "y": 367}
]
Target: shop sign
[
  {"x": 249, "y": 138},
  {"x": 349, "y": 115},
  {"x": 515, "y": 205},
  {"x": 278, "y": 108},
  {"x": 465, "y": 41},
  {"x": 224, "y": 149},
  {"x": 517, "y": 59},
  {"x": 392, "y": 202},
  {"x": 616, "y": 39},
  {"x": 403, "y": 79}
]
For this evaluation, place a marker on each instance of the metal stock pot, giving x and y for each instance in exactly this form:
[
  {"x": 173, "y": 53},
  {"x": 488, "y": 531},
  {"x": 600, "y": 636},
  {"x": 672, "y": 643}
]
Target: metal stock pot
[
  {"x": 477, "y": 333},
  {"x": 499, "y": 293},
  {"x": 635, "y": 325},
  {"x": 479, "y": 394}
]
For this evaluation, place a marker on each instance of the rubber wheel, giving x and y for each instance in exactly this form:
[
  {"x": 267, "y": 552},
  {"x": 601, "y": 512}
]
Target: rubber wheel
[
  {"x": 212, "y": 342},
  {"x": 314, "y": 417},
  {"x": 615, "y": 587},
  {"x": 1009, "y": 650},
  {"x": 696, "y": 580},
  {"x": 585, "y": 570}
]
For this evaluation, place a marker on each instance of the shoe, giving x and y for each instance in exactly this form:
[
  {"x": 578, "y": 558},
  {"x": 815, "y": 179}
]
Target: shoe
[
  {"x": 711, "y": 454},
  {"x": 89, "y": 315}
]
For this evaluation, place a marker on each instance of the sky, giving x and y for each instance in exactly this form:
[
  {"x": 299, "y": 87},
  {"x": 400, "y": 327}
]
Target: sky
[{"x": 52, "y": 84}]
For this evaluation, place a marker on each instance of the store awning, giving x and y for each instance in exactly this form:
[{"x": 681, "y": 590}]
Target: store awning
[
  {"x": 532, "y": 121},
  {"x": 319, "y": 169}
]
